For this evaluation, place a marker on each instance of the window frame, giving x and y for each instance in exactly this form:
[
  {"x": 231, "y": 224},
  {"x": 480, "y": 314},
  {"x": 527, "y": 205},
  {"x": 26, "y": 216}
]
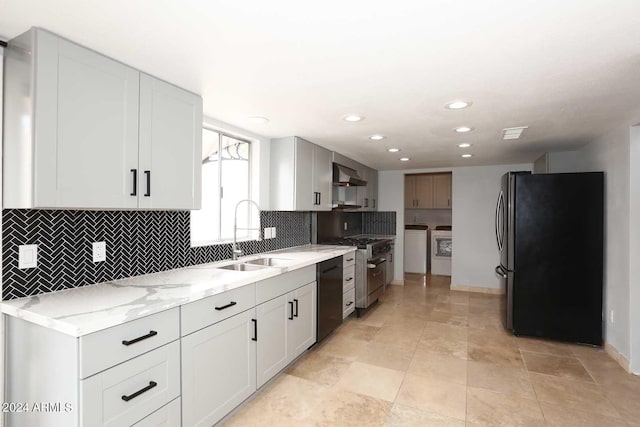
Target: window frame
[{"x": 243, "y": 235}]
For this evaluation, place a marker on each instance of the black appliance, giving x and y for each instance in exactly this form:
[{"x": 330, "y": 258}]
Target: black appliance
[
  {"x": 549, "y": 229},
  {"x": 329, "y": 279}
]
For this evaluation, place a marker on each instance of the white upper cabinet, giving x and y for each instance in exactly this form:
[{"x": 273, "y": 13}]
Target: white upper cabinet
[
  {"x": 301, "y": 175},
  {"x": 81, "y": 128},
  {"x": 170, "y": 163}
]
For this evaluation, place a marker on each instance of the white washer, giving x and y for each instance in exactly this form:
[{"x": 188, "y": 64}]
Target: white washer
[
  {"x": 441, "y": 250},
  {"x": 416, "y": 250}
]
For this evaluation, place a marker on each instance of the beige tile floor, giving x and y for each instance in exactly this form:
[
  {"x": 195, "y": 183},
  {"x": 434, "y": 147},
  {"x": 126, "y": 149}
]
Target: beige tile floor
[{"x": 429, "y": 356}]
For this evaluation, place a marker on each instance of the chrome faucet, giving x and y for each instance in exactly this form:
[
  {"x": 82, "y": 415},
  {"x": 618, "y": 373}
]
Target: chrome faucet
[{"x": 237, "y": 252}]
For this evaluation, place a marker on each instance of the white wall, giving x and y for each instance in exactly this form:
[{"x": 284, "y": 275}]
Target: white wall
[
  {"x": 634, "y": 248},
  {"x": 475, "y": 192},
  {"x": 611, "y": 154},
  {"x": 473, "y": 202}
]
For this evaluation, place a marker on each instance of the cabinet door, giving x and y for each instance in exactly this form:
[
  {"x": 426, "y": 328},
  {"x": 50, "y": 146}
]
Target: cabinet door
[
  {"x": 424, "y": 191},
  {"x": 170, "y": 146},
  {"x": 304, "y": 175},
  {"x": 218, "y": 369},
  {"x": 372, "y": 185},
  {"x": 409, "y": 192},
  {"x": 322, "y": 178},
  {"x": 273, "y": 319},
  {"x": 87, "y": 128},
  {"x": 442, "y": 191},
  {"x": 303, "y": 327}
]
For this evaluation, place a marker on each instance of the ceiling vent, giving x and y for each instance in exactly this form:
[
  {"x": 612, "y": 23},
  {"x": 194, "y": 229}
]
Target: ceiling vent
[{"x": 513, "y": 133}]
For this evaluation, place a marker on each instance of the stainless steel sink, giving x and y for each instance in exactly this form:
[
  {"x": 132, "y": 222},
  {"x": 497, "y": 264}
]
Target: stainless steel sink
[
  {"x": 242, "y": 267},
  {"x": 270, "y": 262}
]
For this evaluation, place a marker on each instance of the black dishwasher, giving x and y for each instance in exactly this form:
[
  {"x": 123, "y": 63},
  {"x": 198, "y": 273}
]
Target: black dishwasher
[{"x": 329, "y": 296}]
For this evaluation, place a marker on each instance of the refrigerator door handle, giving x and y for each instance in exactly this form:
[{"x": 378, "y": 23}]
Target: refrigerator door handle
[
  {"x": 500, "y": 272},
  {"x": 498, "y": 213}
]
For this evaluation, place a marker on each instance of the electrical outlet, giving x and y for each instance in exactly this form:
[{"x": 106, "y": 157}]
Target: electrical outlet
[
  {"x": 273, "y": 232},
  {"x": 99, "y": 251},
  {"x": 27, "y": 256},
  {"x": 267, "y": 232},
  {"x": 611, "y": 316}
]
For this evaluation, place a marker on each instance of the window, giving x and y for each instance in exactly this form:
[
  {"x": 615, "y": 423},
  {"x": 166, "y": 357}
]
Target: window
[{"x": 226, "y": 179}]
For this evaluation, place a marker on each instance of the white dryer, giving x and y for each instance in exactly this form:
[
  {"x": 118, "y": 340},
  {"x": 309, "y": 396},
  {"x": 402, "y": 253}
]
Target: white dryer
[{"x": 441, "y": 251}]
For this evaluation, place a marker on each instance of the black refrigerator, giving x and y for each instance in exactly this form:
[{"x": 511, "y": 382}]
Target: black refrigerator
[{"x": 549, "y": 230}]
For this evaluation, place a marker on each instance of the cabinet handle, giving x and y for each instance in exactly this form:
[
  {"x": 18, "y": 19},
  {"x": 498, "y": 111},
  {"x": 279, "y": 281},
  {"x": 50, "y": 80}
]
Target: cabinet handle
[
  {"x": 255, "y": 330},
  {"x": 319, "y": 199},
  {"x": 350, "y": 259},
  {"x": 349, "y": 303},
  {"x": 134, "y": 191},
  {"x": 366, "y": 202},
  {"x": 291, "y": 307},
  {"x": 148, "y": 174},
  {"x": 374, "y": 203},
  {"x": 151, "y": 385},
  {"x": 296, "y": 301},
  {"x": 144, "y": 337},
  {"x": 349, "y": 279},
  {"x": 231, "y": 304}
]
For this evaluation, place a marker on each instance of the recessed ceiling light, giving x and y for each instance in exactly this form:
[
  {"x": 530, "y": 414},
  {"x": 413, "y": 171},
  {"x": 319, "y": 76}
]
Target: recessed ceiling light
[
  {"x": 377, "y": 137},
  {"x": 465, "y": 145},
  {"x": 463, "y": 129},
  {"x": 466, "y": 156},
  {"x": 393, "y": 150},
  {"x": 404, "y": 159},
  {"x": 458, "y": 105},
  {"x": 353, "y": 118},
  {"x": 258, "y": 119}
]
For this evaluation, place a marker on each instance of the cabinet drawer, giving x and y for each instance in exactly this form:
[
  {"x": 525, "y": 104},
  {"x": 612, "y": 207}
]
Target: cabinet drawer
[
  {"x": 349, "y": 259},
  {"x": 348, "y": 302},
  {"x": 167, "y": 416},
  {"x": 275, "y": 286},
  {"x": 349, "y": 278},
  {"x": 106, "y": 348},
  {"x": 129, "y": 392},
  {"x": 208, "y": 311}
]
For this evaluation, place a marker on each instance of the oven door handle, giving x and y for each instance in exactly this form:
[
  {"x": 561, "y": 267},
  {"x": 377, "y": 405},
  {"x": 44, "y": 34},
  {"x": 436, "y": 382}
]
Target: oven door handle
[{"x": 376, "y": 263}]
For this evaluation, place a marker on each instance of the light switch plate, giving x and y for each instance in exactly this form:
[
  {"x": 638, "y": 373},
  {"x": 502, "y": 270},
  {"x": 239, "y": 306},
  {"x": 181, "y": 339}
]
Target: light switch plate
[
  {"x": 267, "y": 232},
  {"x": 27, "y": 256},
  {"x": 99, "y": 251}
]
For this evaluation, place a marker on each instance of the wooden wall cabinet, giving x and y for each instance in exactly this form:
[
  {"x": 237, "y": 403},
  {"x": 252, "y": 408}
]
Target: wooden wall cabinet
[{"x": 427, "y": 191}]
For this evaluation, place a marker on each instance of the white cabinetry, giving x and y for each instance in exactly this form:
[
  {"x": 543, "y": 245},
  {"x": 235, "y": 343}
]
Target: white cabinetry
[
  {"x": 81, "y": 129},
  {"x": 348, "y": 284},
  {"x": 286, "y": 328},
  {"x": 113, "y": 377},
  {"x": 301, "y": 175},
  {"x": 218, "y": 369}
]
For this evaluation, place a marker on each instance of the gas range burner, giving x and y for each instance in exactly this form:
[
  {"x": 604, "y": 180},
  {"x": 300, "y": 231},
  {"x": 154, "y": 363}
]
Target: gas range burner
[{"x": 360, "y": 242}]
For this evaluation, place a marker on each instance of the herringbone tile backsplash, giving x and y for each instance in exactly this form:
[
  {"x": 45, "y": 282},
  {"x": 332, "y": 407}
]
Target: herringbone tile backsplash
[{"x": 138, "y": 242}]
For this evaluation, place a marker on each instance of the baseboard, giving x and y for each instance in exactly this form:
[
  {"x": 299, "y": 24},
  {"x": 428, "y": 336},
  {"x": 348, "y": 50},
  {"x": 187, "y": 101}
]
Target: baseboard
[
  {"x": 397, "y": 282},
  {"x": 617, "y": 356},
  {"x": 477, "y": 289}
]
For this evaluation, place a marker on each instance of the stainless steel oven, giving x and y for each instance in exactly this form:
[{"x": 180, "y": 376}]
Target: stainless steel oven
[{"x": 371, "y": 274}]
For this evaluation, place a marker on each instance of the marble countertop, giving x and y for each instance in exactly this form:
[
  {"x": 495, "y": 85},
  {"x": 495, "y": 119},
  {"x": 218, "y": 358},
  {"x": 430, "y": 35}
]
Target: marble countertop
[{"x": 88, "y": 309}]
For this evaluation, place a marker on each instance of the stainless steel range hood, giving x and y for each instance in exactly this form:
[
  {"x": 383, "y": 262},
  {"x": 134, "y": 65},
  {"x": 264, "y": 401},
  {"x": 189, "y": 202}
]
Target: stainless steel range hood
[{"x": 346, "y": 177}]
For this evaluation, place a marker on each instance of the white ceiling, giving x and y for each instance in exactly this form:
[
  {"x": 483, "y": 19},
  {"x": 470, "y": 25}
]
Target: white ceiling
[{"x": 570, "y": 69}]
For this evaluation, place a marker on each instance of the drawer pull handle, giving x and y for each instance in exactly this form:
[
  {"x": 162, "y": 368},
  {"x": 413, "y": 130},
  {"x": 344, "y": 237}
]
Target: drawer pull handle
[
  {"x": 231, "y": 304},
  {"x": 349, "y": 303},
  {"x": 151, "y": 385},
  {"x": 350, "y": 259},
  {"x": 291, "y": 307},
  {"x": 144, "y": 337},
  {"x": 296, "y": 301},
  {"x": 255, "y": 330},
  {"x": 349, "y": 279}
]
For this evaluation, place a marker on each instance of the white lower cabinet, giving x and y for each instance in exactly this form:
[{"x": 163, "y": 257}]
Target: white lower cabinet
[
  {"x": 286, "y": 328},
  {"x": 167, "y": 416},
  {"x": 218, "y": 369}
]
